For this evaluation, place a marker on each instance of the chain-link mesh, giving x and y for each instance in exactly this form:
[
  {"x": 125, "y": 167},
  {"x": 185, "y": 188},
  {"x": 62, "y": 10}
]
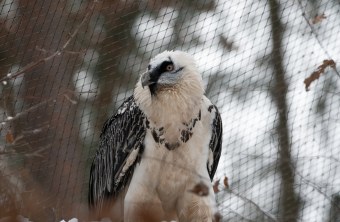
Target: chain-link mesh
[{"x": 268, "y": 65}]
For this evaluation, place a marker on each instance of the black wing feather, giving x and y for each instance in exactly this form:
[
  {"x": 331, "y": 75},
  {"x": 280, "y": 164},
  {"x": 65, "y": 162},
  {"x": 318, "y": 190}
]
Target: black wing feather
[
  {"x": 121, "y": 134},
  {"x": 215, "y": 144}
]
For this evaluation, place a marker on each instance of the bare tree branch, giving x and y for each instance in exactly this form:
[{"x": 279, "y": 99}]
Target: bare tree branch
[
  {"x": 266, "y": 213},
  {"x": 241, "y": 216},
  {"x": 59, "y": 52},
  {"x": 11, "y": 118},
  {"x": 318, "y": 189},
  {"x": 35, "y": 153},
  {"x": 315, "y": 35}
]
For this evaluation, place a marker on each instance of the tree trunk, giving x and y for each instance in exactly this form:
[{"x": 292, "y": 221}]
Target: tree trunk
[
  {"x": 53, "y": 178},
  {"x": 289, "y": 200}
]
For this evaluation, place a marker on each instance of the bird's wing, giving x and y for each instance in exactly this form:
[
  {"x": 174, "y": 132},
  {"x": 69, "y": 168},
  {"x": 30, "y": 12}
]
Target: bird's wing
[
  {"x": 120, "y": 148},
  {"x": 215, "y": 144}
]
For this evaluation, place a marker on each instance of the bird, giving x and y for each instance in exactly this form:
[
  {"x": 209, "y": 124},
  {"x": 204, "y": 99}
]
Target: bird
[{"x": 163, "y": 143}]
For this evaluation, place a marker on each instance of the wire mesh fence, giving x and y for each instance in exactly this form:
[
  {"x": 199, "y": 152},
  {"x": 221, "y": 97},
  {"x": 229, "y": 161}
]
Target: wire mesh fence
[{"x": 268, "y": 65}]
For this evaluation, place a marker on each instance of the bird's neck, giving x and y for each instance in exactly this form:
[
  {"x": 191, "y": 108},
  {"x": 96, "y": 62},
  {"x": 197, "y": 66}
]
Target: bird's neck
[{"x": 170, "y": 106}]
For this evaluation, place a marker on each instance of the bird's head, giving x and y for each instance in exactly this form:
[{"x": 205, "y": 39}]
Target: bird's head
[{"x": 170, "y": 70}]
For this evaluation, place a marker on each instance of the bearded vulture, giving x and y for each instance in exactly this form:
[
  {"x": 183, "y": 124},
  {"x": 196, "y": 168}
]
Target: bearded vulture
[{"x": 163, "y": 141}]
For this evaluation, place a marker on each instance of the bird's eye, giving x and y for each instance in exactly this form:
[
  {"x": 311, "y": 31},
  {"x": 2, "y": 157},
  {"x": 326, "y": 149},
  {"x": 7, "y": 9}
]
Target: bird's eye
[{"x": 169, "y": 67}]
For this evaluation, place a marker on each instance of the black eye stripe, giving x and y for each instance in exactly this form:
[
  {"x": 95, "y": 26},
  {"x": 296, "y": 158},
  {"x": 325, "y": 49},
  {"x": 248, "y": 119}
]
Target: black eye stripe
[
  {"x": 163, "y": 66},
  {"x": 180, "y": 69},
  {"x": 169, "y": 68}
]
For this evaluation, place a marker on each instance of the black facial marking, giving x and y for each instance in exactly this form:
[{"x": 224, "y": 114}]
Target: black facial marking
[
  {"x": 149, "y": 67},
  {"x": 210, "y": 108},
  {"x": 164, "y": 65},
  {"x": 179, "y": 70},
  {"x": 156, "y": 73},
  {"x": 153, "y": 88}
]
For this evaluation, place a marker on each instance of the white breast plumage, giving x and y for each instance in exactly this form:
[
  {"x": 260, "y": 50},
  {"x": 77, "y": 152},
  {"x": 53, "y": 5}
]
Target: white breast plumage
[{"x": 163, "y": 140}]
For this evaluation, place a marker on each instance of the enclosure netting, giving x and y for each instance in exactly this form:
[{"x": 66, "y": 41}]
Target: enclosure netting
[{"x": 268, "y": 65}]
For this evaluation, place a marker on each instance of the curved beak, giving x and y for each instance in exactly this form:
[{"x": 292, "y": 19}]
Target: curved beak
[{"x": 146, "y": 79}]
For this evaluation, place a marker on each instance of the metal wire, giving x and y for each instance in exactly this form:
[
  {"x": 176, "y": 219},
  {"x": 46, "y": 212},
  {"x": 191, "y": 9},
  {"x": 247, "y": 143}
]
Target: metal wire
[{"x": 66, "y": 65}]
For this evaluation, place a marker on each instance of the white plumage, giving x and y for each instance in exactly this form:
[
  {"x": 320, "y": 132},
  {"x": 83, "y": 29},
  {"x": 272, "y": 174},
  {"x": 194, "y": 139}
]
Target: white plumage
[{"x": 163, "y": 141}]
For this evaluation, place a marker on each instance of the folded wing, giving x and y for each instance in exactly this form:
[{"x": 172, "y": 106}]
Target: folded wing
[
  {"x": 120, "y": 148},
  {"x": 215, "y": 144}
]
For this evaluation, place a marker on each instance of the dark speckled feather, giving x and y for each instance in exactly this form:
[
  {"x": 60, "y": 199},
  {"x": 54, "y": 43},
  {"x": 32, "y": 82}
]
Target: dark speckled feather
[
  {"x": 121, "y": 134},
  {"x": 215, "y": 144}
]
